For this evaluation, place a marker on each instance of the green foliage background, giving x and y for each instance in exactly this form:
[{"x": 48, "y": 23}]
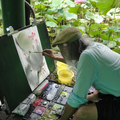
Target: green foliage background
[{"x": 98, "y": 19}]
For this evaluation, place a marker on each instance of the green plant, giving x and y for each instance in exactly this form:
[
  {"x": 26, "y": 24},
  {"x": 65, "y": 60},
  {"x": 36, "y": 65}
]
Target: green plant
[{"x": 93, "y": 18}]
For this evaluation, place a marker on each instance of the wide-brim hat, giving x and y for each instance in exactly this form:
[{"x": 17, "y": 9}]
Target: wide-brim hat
[{"x": 67, "y": 35}]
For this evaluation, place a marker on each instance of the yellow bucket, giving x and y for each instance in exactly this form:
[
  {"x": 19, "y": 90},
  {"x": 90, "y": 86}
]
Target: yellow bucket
[
  {"x": 61, "y": 65},
  {"x": 65, "y": 76}
]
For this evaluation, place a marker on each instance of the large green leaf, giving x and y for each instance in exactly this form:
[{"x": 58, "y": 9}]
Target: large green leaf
[
  {"x": 114, "y": 28},
  {"x": 52, "y": 11},
  {"x": 70, "y": 16},
  {"x": 98, "y": 26},
  {"x": 56, "y": 3},
  {"x": 37, "y": 4},
  {"x": 111, "y": 44},
  {"x": 118, "y": 39},
  {"x": 76, "y": 23},
  {"x": 82, "y": 31},
  {"x": 62, "y": 27},
  {"x": 104, "y": 36},
  {"x": 118, "y": 34},
  {"x": 96, "y": 17},
  {"x": 94, "y": 33},
  {"x": 50, "y": 18},
  {"x": 51, "y": 24},
  {"x": 105, "y": 42},
  {"x": 105, "y": 5},
  {"x": 95, "y": 26},
  {"x": 103, "y": 26},
  {"x": 93, "y": 2},
  {"x": 89, "y": 16},
  {"x": 59, "y": 18},
  {"x": 74, "y": 10},
  {"x": 70, "y": 3},
  {"x": 116, "y": 49}
]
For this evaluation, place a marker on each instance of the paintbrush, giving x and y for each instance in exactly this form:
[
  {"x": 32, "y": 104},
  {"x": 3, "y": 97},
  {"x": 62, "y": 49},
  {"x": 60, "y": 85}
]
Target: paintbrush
[{"x": 34, "y": 52}]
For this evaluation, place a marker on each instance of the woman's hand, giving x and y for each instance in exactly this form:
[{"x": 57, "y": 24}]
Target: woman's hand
[
  {"x": 93, "y": 97},
  {"x": 49, "y": 53}
]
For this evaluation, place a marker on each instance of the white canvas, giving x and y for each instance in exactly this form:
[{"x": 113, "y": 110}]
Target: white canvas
[{"x": 29, "y": 49}]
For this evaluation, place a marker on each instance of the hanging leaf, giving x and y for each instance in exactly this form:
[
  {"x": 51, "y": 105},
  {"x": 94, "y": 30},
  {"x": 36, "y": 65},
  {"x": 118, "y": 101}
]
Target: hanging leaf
[
  {"x": 51, "y": 24},
  {"x": 105, "y": 5},
  {"x": 70, "y": 3}
]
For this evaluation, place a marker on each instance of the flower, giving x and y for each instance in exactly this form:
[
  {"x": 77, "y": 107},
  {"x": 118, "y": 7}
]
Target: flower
[{"x": 80, "y": 1}]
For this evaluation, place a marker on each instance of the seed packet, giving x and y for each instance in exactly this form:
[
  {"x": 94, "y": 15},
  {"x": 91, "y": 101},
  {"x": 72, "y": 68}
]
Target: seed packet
[
  {"x": 53, "y": 115},
  {"x": 34, "y": 116},
  {"x": 21, "y": 109},
  {"x": 39, "y": 110},
  {"x": 58, "y": 108},
  {"x": 38, "y": 102}
]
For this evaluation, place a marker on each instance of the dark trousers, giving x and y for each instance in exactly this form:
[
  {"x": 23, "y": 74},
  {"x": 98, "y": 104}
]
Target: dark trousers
[{"x": 108, "y": 108}]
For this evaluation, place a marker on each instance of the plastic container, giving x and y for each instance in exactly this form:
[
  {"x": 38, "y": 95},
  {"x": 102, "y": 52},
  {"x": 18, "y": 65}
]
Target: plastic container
[
  {"x": 65, "y": 76},
  {"x": 61, "y": 65}
]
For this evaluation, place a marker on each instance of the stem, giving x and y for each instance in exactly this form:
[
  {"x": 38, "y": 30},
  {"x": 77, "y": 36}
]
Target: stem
[
  {"x": 114, "y": 15},
  {"x": 109, "y": 37},
  {"x": 89, "y": 26},
  {"x": 99, "y": 34}
]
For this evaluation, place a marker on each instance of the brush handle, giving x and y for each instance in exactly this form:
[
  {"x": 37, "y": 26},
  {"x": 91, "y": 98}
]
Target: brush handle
[{"x": 35, "y": 52}]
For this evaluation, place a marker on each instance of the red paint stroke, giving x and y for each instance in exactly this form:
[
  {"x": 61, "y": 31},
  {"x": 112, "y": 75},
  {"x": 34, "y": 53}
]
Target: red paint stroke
[
  {"x": 33, "y": 46},
  {"x": 36, "y": 40},
  {"x": 32, "y": 36}
]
